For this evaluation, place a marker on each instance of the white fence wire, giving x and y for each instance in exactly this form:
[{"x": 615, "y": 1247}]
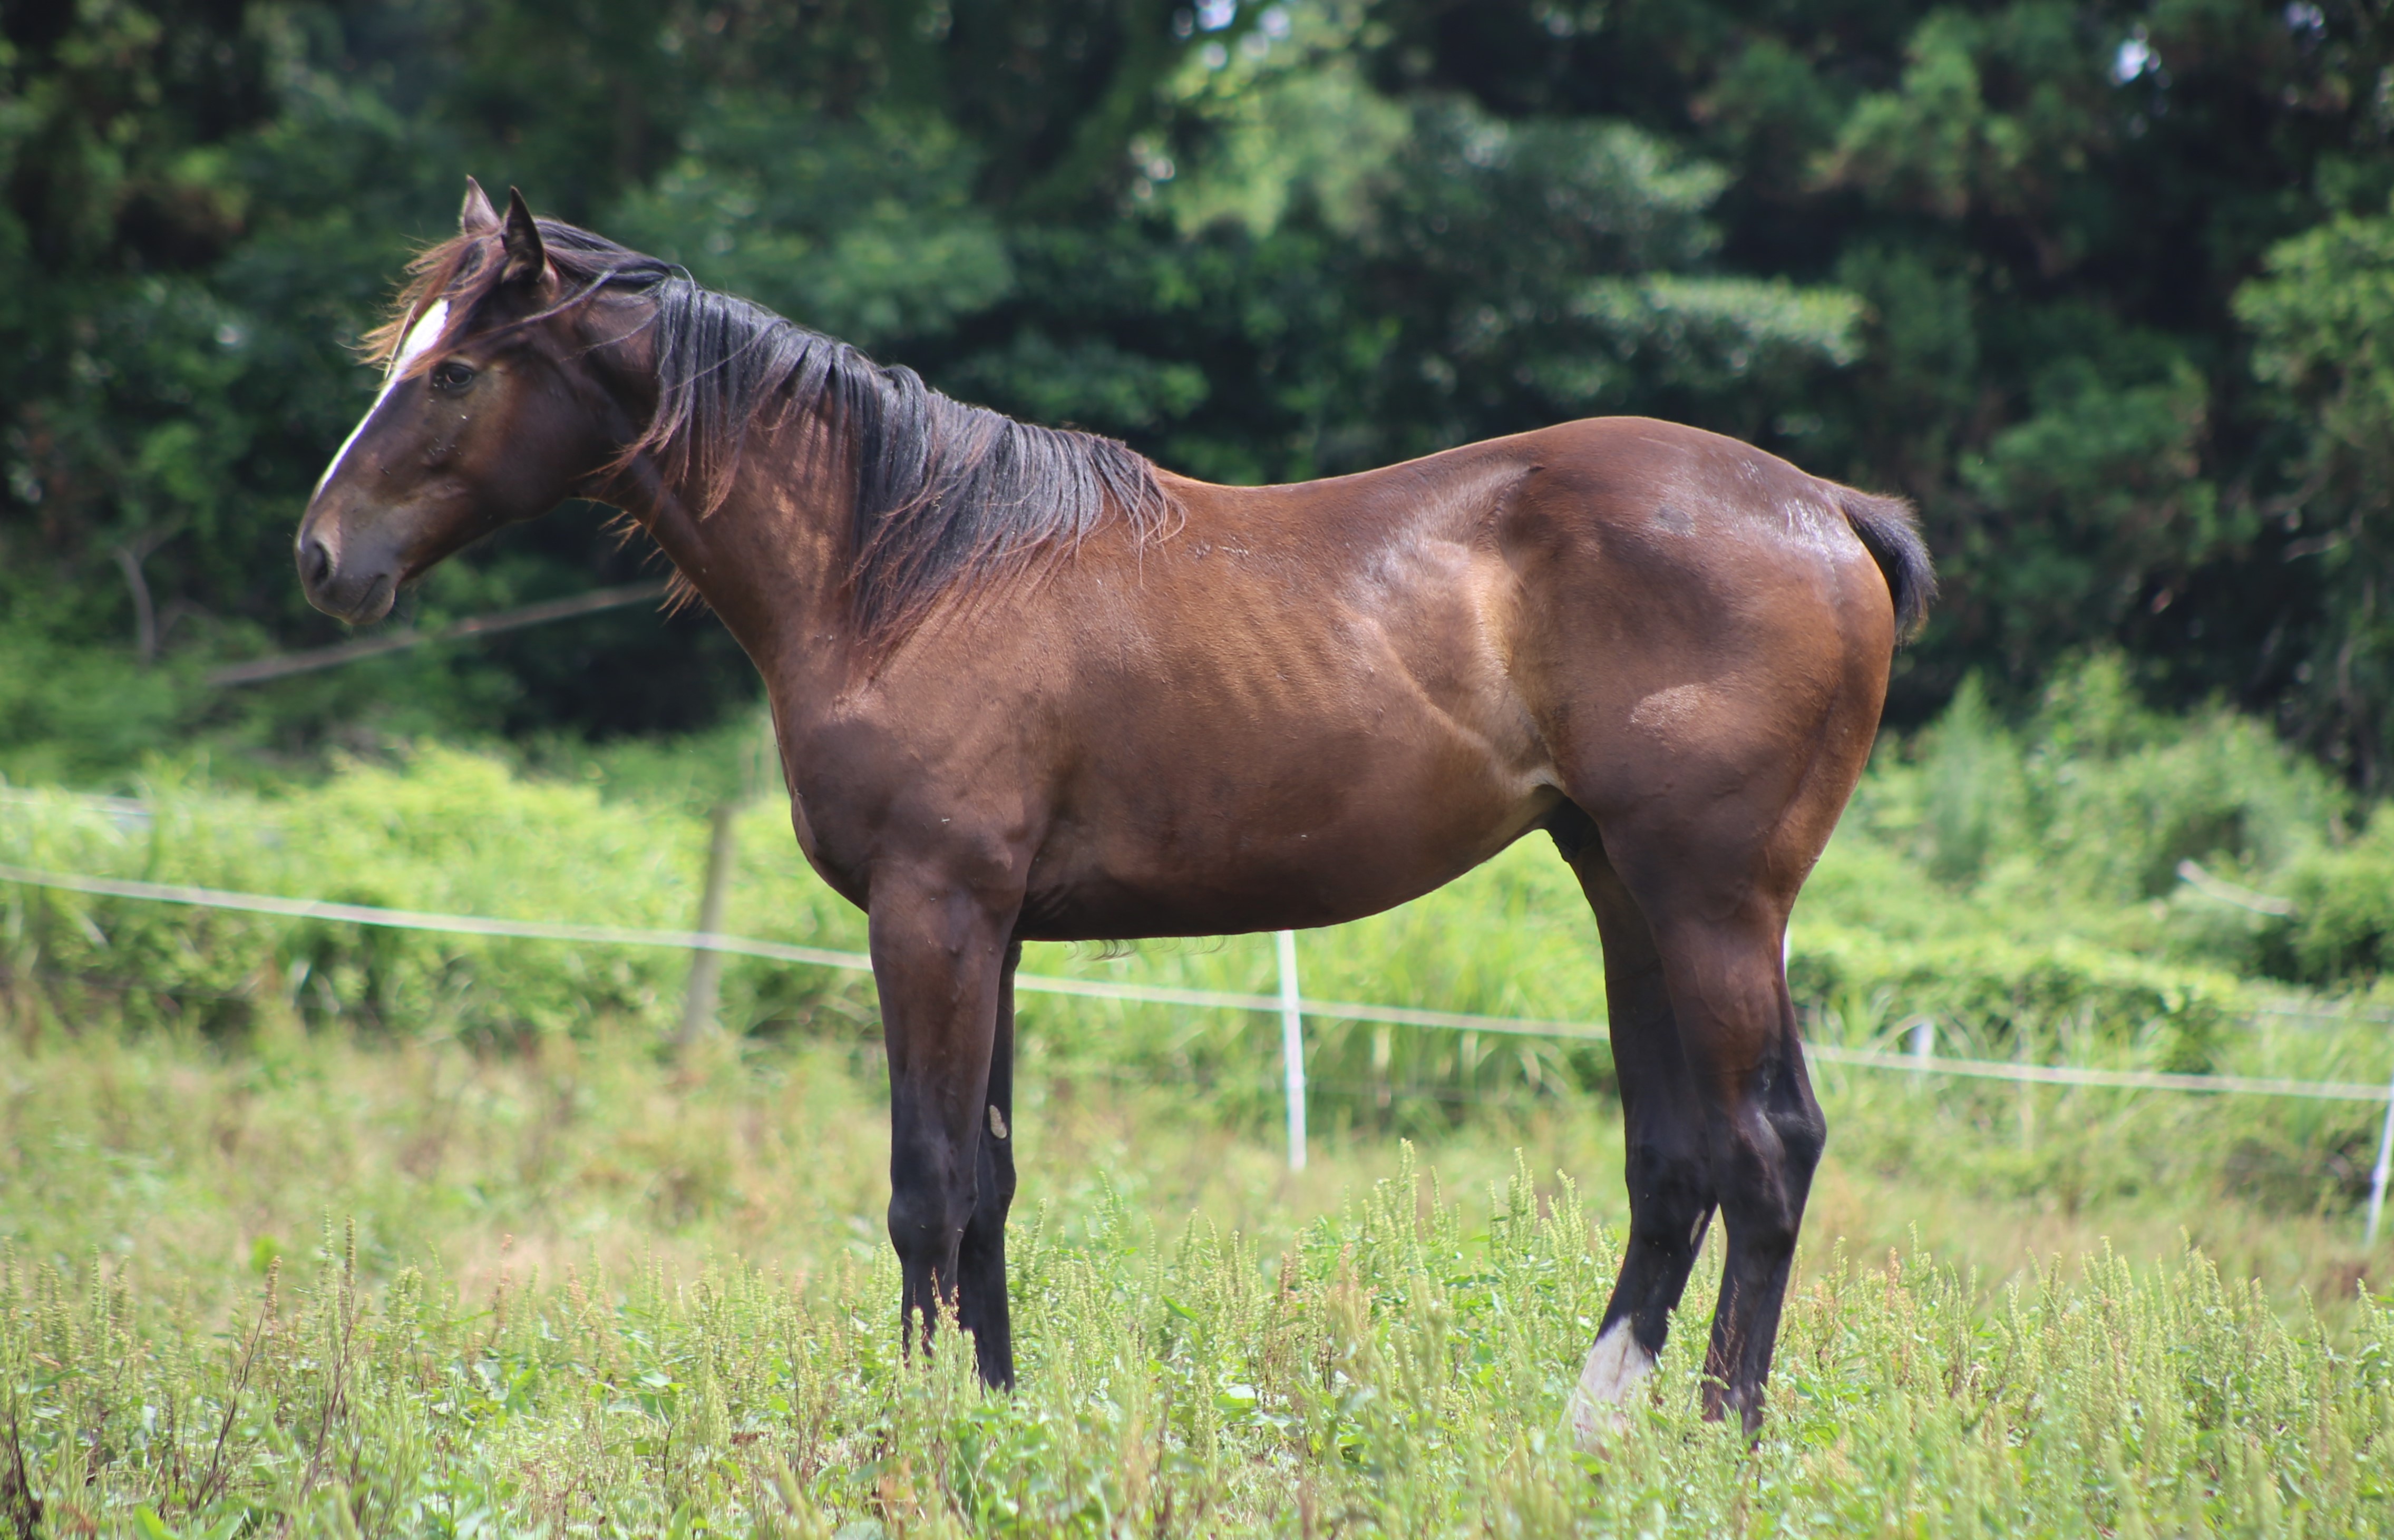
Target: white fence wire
[
  {"x": 1106, "y": 989},
  {"x": 1289, "y": 1004}
]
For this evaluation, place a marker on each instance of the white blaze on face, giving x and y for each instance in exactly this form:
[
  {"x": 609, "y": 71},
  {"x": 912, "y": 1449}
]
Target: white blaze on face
[
  {"x": 422, "y": 335},
  {"x": 1614, "y": 1366}
]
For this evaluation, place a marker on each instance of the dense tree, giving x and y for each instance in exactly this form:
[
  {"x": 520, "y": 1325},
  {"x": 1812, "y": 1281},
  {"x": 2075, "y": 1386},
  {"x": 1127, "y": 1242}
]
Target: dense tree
[
  {"x": 2049, "y": 211},
  {"x": 2104, "y": 286}
]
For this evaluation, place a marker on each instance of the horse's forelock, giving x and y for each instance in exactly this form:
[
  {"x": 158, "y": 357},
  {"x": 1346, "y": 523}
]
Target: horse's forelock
[
  {"x": 446, "y": 270},
  {"x": 466, "y": 269}
]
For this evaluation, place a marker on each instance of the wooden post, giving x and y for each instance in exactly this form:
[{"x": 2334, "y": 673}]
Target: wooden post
[{"x": 706, "y": 967}]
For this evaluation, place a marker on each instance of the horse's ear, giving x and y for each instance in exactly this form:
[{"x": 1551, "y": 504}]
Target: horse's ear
[
  {"x": 478, "y": 218},
  {"x": 527, "y": 262}
]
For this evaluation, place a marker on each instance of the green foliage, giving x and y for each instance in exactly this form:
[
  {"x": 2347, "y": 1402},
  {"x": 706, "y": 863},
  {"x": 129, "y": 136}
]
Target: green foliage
[
  {"x": 1995, "y": 998},
  {"x": 2093, "y": 804},
  {"x": 1278, "y": 133},
  {"x": 2020, "y": 888},
  {"x": 1938, "y": 143},
  {"x": 451, "y": 833},
  {"x": 75, "y": 713},
  {"x": 2108, "y": 466},
  {"x": 2323, "y": 318},
  {"x": 2343, "y": 925},
  {"x": 865, "y": 229}
]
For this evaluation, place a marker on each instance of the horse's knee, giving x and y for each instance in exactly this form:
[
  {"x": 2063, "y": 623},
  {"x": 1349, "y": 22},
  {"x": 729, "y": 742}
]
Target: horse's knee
[{"x": 927, "y": 1220}]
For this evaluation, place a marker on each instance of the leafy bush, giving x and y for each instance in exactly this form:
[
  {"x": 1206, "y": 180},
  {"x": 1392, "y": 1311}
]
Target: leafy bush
[
  {"x": 68, "y": 713},
  {"x": 1994, "y": 997},
  {"x": 2343, "y": 924},
  {"x": 1997, "y": 880},
  {"x": 447, "y": 831},
  {"x": 2095, "y": 796}
]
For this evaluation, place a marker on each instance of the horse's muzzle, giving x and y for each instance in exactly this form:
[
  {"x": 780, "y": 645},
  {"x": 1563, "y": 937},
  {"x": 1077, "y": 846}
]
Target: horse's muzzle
[{"x": 353, "y": 592}]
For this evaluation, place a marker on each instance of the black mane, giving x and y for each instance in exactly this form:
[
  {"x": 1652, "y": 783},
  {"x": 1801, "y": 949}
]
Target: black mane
[{"x": 947, "y": 495}]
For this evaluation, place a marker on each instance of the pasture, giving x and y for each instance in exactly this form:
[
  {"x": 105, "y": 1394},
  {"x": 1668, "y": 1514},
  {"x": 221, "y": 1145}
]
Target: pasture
[
  {"x": 332, "y": 1286},
  {"x": 312, "y": 1229}
]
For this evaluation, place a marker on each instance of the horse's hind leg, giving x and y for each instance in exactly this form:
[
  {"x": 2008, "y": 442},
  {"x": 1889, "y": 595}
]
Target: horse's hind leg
[
  {"x": 1719, "y": 916},
  {"x": 1668, "y": 1171},
  {"x": 1767, "y": 1134},
  {"x": 980, "y": 1260}
]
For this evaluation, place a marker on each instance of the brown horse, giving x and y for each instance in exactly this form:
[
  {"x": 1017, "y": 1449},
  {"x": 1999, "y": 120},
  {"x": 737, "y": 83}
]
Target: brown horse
[{"x": 1027, "y": 686}]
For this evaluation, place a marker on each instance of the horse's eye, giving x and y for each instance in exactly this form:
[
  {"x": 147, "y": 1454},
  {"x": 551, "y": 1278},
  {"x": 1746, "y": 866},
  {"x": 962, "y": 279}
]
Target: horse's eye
[{"x": 450, "y": 374}]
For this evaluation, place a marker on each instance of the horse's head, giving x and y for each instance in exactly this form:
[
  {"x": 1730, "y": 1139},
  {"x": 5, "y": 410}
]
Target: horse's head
[{"x": 488, "y": 414}]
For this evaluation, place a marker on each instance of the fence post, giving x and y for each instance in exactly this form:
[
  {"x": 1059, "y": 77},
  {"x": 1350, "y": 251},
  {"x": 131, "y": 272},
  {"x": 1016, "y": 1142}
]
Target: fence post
[
  {"x": 706, "y": 967},
  {"x": 1292, "y": 1047},
  {"x": 1924, "y": 1042},
  {"x": 2378, "y": 1176}
]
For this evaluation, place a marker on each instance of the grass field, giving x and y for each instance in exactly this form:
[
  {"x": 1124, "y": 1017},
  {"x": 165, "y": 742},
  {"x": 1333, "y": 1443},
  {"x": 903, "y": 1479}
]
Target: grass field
[{"x": 322, "y": 1285}]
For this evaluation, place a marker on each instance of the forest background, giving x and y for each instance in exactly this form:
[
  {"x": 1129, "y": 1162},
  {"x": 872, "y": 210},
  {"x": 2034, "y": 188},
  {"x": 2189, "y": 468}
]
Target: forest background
[{"x": 2107, "y": 288}]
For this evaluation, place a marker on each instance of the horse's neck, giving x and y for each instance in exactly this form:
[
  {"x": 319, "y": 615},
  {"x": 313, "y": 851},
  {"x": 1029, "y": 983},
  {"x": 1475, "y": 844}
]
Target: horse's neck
[{"x": 770, "y": 560}]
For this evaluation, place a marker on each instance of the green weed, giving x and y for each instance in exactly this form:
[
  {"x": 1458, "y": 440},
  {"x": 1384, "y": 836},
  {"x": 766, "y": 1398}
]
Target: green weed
[{"x": 583, "y": 1286}]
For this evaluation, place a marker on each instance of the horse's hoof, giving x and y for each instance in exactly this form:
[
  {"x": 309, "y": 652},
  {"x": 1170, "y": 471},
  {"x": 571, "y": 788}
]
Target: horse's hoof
[
  {"x": 1593, "y": 1426},
  {"x": 1597, "y": 1412}
]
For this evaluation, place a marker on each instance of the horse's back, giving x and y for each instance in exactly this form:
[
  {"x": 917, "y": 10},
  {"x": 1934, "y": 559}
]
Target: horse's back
[{"x": 1626, "y": 493}]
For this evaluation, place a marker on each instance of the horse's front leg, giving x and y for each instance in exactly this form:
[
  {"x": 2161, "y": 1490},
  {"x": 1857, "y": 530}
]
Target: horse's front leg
[
  {"x": 980, "y": 1262},
  {"x": 939, "y": 954}
]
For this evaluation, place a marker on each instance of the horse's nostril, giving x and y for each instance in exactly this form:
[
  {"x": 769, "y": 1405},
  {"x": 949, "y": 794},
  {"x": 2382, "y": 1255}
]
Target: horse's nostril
[{"x": 315, "y": 562}]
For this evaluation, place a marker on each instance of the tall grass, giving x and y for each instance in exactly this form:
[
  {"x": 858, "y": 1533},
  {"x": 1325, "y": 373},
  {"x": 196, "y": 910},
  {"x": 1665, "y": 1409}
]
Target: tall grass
[
  {"x": 1391, "y": 1374},
  {"x": 332, "y": 1284}
]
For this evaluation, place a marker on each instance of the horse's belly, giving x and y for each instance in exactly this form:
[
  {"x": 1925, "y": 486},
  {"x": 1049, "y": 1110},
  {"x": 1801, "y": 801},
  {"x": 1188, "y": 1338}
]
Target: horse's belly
[{"x": 1248, "y": 868}]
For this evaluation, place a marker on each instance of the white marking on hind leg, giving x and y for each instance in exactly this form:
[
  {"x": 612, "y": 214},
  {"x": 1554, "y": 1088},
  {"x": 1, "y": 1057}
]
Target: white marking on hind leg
[{"x": 1613, "y": 1368}]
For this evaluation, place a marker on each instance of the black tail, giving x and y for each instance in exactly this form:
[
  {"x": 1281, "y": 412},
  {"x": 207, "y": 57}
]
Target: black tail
[{"x": 1891, "y": 534}]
